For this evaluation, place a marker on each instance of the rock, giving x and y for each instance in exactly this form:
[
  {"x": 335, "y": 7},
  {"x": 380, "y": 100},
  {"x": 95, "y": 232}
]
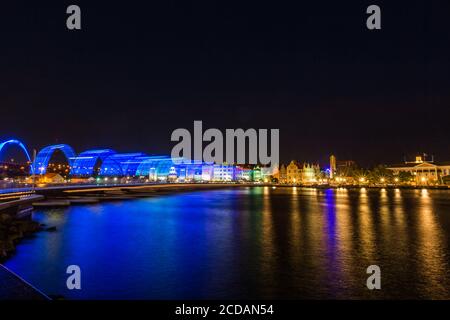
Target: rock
[
  {"x": 5, "y": 218},
  {"x": 12, "y": 230},
  {"x": 9, "y": 246},
  {"x": 27, "y": 226}
]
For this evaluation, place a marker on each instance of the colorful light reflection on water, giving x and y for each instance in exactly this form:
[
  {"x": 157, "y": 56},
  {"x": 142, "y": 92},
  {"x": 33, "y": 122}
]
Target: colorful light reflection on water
[{"x": 247, "y": 243}]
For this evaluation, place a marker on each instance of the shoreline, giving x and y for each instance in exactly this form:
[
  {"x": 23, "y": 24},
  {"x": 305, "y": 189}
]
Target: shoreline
[{"x": 12, "y": 232}]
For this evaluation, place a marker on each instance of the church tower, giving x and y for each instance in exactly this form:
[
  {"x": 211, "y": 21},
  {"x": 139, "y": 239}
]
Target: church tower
[{"x": 332, "y": 166}]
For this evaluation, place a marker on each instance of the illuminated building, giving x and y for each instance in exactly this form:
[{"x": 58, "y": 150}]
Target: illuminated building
[
  {"x": 268, "y": 172},
  {"x": 207, "y": 172},
  {"x": 309, "y": 173},
  {"x": 423, "y": 172},
  {"x": 88, "y": 163},
  {"x": 243, "y": 174},
  {"x": 332, "y": 166},
  {"x": 122, "y": 164},
  {"x": 256, "y": 174},
  {"x": 297, "y": 173},
  {"x": 224, "y": 172},
  {"x": 105, "y": 163},
  {"x": 156, "y": 168},
  {"x": 50, "y": 178},
  {"x": 293, "y": 172},
  {"x": 43, "y": 157},
  {"x": 282, "y": 174}
]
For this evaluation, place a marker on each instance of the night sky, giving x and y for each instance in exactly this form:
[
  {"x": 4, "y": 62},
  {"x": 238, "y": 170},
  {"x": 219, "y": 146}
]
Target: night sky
[{"x": 138, "y": 70}]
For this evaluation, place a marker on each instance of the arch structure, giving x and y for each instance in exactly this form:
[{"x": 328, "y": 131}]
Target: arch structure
[
  {"x": 84, "y": 164},
  {"x": 164, "y": 167},
  {"x": 155, "y": 167},
  {"x": 17, "y": 143},
  {"x": 121, "y": 164},
  {"x": 43, "y": 157}
]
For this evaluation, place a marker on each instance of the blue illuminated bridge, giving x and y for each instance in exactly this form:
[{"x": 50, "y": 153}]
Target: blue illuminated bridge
[{"x": 109, "y": 163}]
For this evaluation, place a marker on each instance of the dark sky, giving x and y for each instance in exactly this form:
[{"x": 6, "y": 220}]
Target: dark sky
[{"x": 138, "y": 70}]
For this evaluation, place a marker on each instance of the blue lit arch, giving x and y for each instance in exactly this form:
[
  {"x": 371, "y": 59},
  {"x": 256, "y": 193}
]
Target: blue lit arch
[
  {"x": 152, "y": 165},
  {"x": 20, "y": 145},
  {"x": 84, "y": 163},
  {"x": 17, "y": 143},
  {"x": 44, "y": 156},
  {"x": 121, "y": 164},
  {"x": 159, "y": 167}
]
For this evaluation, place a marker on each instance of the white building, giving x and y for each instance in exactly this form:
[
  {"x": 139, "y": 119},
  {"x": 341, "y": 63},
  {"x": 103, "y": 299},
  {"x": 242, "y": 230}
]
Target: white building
[{"x": 224, "y": 172}]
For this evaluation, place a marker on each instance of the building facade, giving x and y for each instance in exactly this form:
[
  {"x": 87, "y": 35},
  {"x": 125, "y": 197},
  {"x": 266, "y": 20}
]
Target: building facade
[
  {"x": 297, "y": 173},
  {"x": 282, "y": 174},
  {"x": 423, "y": 172}
]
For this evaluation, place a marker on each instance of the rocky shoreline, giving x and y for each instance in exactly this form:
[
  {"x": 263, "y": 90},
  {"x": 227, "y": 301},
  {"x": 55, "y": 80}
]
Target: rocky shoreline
[{"x": 13, "y": 230}]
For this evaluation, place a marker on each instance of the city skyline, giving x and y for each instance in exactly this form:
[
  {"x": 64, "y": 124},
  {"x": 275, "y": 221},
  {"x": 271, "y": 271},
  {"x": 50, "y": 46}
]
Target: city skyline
[{"x": 21, "y": 154}]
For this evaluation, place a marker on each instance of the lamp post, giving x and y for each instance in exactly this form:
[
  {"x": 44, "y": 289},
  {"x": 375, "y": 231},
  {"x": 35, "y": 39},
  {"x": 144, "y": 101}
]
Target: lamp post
[{"x": 33, "y": 168}]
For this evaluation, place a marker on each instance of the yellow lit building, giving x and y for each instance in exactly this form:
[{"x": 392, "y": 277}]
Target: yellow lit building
[
  {"x": 332, "y": 166},
  {"x": 423, "y": 172},
  {"x": 293, "y": 173},
  {"x": 297, "y": 173},
  {"x": 282, "y": 174},
  {"x": 51, "y": 178}
]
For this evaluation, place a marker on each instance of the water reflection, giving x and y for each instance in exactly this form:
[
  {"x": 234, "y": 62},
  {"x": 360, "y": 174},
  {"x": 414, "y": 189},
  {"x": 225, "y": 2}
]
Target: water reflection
[
  {"x": 431, "y": 249},
  {"x": 247, "y": 243}
]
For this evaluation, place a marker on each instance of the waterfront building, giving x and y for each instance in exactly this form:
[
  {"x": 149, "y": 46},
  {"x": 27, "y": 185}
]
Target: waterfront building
[
  {"x": 207, "y": 172},
  {"x": 191, "y": 171},
  {"x": 256, "y": 174},
  {"x": 282, "y": 174},
  {"x": 309, "y": 173},
  {"x": 267, "y": 173},
  {"x": 276, "y": 173},
  {"x": 333, "y": 167},
  {"x": 224, "y": 172},
  {"x": 108, "y": 165},
  {"x": 423, "y": 172},
  {"x": 155, "y": 168},
  {"x": 243, "y": 174},
  {"x": 293, "y": 174},
  {"x": 87, "y": 163},
  {"x": 49, "y": 178},
  {"x": 301, "y": 173}
]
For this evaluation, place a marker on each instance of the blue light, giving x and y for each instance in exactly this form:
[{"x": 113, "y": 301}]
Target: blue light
[
  {"x": 121, "y": 164},
  {"x": 110, "y": 163},
  {"x": 44, "y": 156},
  {"x": 18, "y": 143},
  {"x": 154, "y": 167},
  {"x": 84, "y": 163}
]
